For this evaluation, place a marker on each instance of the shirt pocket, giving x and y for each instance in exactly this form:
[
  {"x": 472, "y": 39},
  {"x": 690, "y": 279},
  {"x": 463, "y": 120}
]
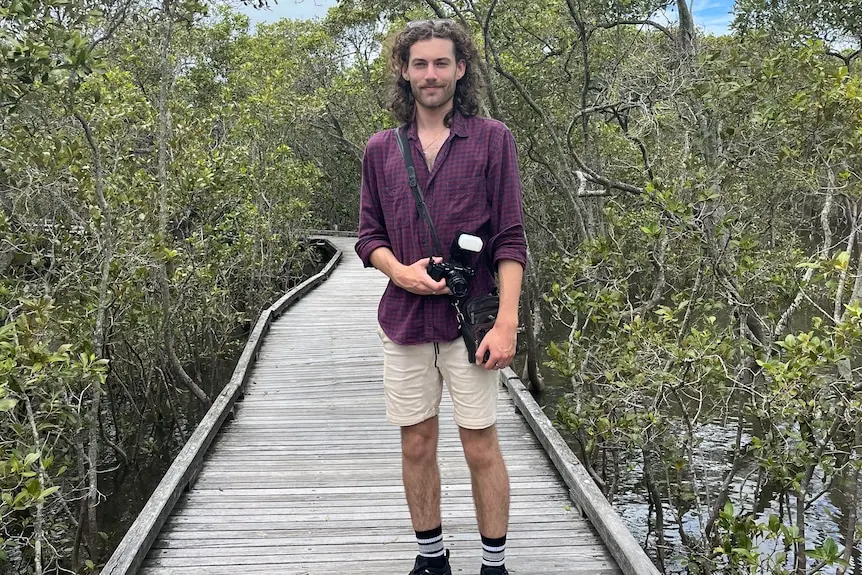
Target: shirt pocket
[
  {"x": 465, "y": 200},
  {"x": 398, "y": 206}
]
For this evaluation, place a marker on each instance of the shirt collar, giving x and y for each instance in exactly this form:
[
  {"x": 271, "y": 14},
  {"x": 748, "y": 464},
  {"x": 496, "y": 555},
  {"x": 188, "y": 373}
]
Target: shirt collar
[{"x": 458, "y": 127}]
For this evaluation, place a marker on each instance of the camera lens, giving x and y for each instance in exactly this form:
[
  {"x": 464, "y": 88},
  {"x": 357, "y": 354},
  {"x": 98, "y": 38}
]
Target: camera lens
[{"x": 457, "y": 284}]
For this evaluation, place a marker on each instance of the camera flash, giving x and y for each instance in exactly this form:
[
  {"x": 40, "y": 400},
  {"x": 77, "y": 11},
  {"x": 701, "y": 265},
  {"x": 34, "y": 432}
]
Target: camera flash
[{"x": 470, "y": 243}]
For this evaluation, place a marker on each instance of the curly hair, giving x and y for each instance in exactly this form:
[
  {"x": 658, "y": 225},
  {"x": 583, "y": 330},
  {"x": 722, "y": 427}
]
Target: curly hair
[{"x": 467, "y": 89}]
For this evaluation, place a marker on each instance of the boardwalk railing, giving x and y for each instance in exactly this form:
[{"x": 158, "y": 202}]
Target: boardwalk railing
[
  {"x": 129, "y": 555},
  {"x": 589, "y": 499}
]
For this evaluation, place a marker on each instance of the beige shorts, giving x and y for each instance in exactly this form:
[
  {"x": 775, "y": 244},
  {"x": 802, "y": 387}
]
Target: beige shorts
[{"x": 413, "y": 378}]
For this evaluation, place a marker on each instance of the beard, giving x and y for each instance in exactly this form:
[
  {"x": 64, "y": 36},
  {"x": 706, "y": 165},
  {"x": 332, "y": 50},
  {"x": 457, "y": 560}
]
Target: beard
[{"x": 438, "y": 98}]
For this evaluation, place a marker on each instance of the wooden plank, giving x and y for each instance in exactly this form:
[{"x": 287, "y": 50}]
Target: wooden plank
[
  {"x": 321, "y": 533},
  {"x": 338, "y": 558},
  {"x": 346, "y": 490},
  {"x": 373, "y": 566},
  {"x": 527, "y": 539}
]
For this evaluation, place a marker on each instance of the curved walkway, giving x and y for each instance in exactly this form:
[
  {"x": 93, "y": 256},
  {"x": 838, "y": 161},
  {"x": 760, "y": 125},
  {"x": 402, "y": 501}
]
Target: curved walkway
[{"x": 306, "y": 478}]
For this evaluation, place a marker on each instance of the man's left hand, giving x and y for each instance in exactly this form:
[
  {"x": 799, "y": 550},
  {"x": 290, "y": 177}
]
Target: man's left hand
[{"x": 500, "y": 342}]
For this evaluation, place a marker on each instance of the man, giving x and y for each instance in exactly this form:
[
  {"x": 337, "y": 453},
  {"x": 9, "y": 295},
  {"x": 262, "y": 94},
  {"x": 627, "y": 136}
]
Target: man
[{"x": 467, "y": 170}]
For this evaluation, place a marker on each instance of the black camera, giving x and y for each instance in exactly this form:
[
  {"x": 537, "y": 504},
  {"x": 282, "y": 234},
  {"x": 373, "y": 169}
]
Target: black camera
[{"x": 456, "y": 271}]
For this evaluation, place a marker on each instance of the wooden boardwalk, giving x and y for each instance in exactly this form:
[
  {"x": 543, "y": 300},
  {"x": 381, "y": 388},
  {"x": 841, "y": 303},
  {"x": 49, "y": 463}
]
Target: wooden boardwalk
[{"x": 305, "y": 479}]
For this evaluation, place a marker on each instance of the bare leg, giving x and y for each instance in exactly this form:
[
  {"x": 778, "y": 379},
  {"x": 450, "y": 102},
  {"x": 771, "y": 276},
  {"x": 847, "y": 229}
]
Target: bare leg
[
  {"x": 421, "y": 473},
  {"x": 489, "y": 478}
]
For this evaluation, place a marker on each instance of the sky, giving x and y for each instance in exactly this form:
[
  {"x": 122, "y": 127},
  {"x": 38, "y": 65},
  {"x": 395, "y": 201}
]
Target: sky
[
  {"x": 295, "y": 9},
  {"x": 712, "y": 15}
]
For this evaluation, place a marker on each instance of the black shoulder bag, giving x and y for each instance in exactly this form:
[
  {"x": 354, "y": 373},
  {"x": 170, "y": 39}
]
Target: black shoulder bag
[{"x": 476, "y": 316}]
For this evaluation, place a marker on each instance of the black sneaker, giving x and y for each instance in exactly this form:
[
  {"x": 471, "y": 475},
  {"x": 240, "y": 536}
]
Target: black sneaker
[
  {"x": 421, "y": 567},
  {"x": 486, "y": 570}
]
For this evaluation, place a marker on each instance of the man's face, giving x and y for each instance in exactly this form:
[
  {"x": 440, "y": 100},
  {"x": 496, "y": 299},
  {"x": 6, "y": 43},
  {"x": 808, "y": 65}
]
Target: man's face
[{"x": 433, "y": 72}]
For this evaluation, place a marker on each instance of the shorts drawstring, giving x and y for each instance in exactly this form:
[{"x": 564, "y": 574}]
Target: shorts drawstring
[{"x": 436, "y": 352}]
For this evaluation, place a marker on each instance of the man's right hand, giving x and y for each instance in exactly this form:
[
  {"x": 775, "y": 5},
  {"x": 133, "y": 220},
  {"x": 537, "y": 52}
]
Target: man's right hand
[{"x": 415, "y": 279}]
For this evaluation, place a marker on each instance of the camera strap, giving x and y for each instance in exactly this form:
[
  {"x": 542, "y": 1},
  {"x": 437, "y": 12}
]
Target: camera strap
[{"x": 421, "y": 207}]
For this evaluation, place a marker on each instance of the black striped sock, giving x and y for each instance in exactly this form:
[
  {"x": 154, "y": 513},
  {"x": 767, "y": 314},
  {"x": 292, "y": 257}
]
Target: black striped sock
[
  {"x": 431, "y": 547},
  {"x": 494, "y": 551}
]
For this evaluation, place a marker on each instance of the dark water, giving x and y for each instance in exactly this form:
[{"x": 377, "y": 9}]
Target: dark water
[
  {"x": 128, "y": 490},
  {"x": 712, "y": 459}
]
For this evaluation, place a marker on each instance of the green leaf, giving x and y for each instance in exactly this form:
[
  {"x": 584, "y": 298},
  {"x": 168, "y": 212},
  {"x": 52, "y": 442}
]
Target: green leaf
[
  {"x": 842, "y": 261},
  {"x": 34, "y": 488},
  {"x": 48, "y": 492},
  {"x": 830, "y": 549},
  {"x": 774, "y": 523},
  {"x": 19, "y": 498}
]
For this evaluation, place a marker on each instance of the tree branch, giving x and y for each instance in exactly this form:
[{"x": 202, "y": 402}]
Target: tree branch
[
  {"x": 658, "y": 258},
  {"x": 436, "y": 8},
  {"x": 663, "y": 29},
  {"x": 809, "y": 273},
  {"x": 357, "y": 150},
  {"x": 848, "y": 59},
  {"x": 453, "y": 7},
  {"x": 113, "y": 27},
  {"x": 557, "y": 241},
  {"x": 853, "y": 207}
]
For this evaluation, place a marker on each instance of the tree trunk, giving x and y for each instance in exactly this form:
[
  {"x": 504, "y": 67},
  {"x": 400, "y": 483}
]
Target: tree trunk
[
  {"x": 850, "y": 534},
  {"x": 686, "y": 29},
  {"x": 801, "y": 560},
  {"x": 167, "y": 74},
  {"x": 38, "y": 529},
  {"x": 655, "y": 497},
  {"x": 532, "y": 322},
  {"x": 92, "y": 525},
  {"x": 107, "y": 257}
]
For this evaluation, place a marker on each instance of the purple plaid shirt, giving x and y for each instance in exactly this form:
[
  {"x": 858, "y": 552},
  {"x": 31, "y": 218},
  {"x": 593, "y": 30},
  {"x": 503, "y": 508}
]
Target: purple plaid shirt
[{"x": 474, "y": 188}]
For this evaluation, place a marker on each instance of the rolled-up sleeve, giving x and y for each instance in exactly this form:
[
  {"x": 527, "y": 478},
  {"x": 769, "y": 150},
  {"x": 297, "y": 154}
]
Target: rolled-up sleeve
[
  {"x": 507, "y": 213},
  {"x": 372, "y": 227}
]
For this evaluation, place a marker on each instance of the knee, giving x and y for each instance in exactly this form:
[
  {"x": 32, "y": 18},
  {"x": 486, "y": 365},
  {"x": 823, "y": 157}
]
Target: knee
[
  {"x": 481, "y": 449},
  {"x": 418, "y": 446}
]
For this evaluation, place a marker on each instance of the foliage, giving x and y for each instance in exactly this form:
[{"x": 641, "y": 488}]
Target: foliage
[
  {"x": 693, "y": 209},
  {"x": 39, "y": 50},
  {"x": 88, "y": 327}
]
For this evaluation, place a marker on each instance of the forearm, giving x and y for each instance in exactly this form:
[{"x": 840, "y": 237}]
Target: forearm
[
  {"x": 510, "y": 274},
  {"x": 384, "y": 260}
]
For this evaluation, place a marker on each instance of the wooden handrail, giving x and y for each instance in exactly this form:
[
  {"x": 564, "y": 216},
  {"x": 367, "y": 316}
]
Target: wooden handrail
[
  {"x": 332, "y": 233},
  {"x": 129, "y": 555},
  {"x": 589, "y": 499}
]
